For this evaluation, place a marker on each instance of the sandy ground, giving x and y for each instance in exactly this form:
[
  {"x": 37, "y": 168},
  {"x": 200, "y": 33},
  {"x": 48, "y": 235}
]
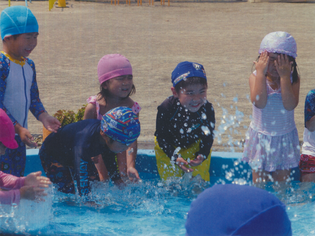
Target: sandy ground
[{"x": 224, "y": 37}]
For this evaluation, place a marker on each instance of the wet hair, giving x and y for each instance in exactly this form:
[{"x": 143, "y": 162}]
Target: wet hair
[
  {"x": 295, "y": 74},
  {"x": 190, "y": 81},
  {"x": 104, "y": 92}
]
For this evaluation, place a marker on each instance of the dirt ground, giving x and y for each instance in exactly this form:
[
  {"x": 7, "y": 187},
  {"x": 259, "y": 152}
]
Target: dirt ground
[{"x": 223, "y": 36}]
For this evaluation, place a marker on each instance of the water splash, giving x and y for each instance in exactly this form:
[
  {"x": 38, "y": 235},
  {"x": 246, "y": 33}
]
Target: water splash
[
  {"x": 28, "y": 215},
  {"x": 228, "y": 127}
]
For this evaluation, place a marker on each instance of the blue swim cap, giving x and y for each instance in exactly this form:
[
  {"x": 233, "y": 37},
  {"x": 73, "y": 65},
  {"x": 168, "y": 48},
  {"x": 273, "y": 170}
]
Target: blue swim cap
[
  {"x": 237, "y": 210},
  {"x": 17, "y": 20},
  {"x": 121, "y": 124},
  {"x": 187, "y": 69}
]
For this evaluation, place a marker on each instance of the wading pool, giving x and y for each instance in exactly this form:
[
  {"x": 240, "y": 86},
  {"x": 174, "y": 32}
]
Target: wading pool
[{"x": 151, "y": 207}]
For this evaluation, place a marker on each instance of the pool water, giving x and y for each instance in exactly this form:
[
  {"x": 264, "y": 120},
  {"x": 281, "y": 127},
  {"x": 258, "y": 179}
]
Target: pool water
[{"x": 151, "y": 207}]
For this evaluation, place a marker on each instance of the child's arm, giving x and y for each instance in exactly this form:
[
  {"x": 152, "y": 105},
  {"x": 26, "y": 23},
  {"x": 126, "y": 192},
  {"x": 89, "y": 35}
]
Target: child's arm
[
  {"x": 10, "y": 181},
  {"x": 37, "y": 107},
  {"x": 162, "y": 132},
  {"x": 90, "y": 111},
  {"x": 309, "y": 111},
  {"x": 131, "y": 159},
  {"x": 257, "y": 84},
  {"x": 289, "y": 92},
  {"x": 207, "y": 137}
]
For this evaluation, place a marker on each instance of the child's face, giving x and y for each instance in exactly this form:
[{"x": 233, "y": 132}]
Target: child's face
[
  {"x": 272, "y": 71},
  {"x": 114, "y": 146},
  {"x": 22, "y": 46},
  {"x": 119, "y": 86},
  {"x": 117, "y": 147},
  {"x": 2, "y": 149},
  {"x": 192, "y": 97}
]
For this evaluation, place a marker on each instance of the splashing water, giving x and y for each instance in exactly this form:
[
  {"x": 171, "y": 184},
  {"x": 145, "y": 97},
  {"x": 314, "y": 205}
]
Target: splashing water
[
  {"x": 228, "y": 126},
  {"x": 28, "y": 215}
]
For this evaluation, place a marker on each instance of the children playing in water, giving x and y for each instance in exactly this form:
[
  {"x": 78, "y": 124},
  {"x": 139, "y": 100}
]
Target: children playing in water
[
  {"x": 272, "y": 142},
  {"x": 116, "y": 84},
  {"x": 18, "y": 86},
  {"x": 307, "y": 161},
  {"x": 184, "y": 125},
  {"x": 16, "y": 188},
  {"x": 68, "y": 154}
]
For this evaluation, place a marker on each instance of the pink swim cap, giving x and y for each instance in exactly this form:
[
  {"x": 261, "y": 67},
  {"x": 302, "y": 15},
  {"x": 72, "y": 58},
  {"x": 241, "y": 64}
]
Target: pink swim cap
[
  {"x": 111, "y": 66},
  {"x": 7, "y": 133}
]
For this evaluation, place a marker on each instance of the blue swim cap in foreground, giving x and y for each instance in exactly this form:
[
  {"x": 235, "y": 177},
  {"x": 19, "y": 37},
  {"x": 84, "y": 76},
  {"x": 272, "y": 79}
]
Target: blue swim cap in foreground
[
  {"x": 237, "y": 210},
  {"x": 121, "y": 124},
  {"x": 17, "y": 20}
]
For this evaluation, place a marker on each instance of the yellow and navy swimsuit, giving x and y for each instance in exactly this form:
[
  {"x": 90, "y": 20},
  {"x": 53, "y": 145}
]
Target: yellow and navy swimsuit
[{"x": 177, "y": 127}]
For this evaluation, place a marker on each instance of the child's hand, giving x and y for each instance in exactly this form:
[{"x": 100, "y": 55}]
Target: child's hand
[
  {"x": 133, "y": 174},
  {"x": 283, "y": 66},
  {"x": 197, "y": 161},
  {"x": 183, "y": 165},
  {"x": 262, "y": 64},
  {"x": 25, "y": 135},
  {"x": 51, "y": 123},
  {"x": 36, "y": 180},
  {"x": 31, "y": 192}
]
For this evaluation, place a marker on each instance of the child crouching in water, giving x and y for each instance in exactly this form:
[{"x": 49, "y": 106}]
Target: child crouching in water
[
  {"x": 68, "y": 154},
  {"x": 28, "y": 187},
  {"x": 184, "y": 125},
  {"x": 116, "y": 83}
]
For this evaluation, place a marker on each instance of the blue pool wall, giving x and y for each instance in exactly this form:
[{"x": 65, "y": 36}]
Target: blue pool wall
[{"x": 225, "y": 166}]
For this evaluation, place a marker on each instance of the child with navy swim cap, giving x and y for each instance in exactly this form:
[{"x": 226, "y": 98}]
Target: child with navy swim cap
[
  {"x": 185, "y": 124},
  {"x": 237, "y": 210},
  {"x": 18, "y": 86},
  {"x": 69, "y": 152}
]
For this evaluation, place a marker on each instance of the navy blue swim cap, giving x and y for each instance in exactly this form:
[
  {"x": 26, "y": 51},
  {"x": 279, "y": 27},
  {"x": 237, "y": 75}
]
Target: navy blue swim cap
[
  {"x": 237, "y": 210},
  {"x": 187, "y": 69}
]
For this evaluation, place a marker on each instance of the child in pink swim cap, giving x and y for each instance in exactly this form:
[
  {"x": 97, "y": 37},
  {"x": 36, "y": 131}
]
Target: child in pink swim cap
[
  {"x": 116, "y": 86},
  {"x": 272, "y": 142},
  {"x": 28, "y": 187}
]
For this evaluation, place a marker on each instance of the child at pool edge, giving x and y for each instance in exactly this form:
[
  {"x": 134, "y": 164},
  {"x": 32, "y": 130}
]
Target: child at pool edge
[
  {"x": 67, "y": 154},
  {"x": 28, "y": 187},
  {"x": 116, "y": 85},
  {"x": 18, "y": 86},
  {"x": 272, "y": 143},
  {"x": 307, "y": 161},
  {"x": 185, "y": 120}
]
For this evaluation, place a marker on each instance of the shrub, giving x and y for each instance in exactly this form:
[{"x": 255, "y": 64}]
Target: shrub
[{"x": 67, "y": 116}]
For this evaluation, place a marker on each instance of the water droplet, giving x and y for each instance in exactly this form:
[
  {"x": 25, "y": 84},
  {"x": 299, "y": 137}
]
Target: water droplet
[{"x": 205, "y": 130}]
